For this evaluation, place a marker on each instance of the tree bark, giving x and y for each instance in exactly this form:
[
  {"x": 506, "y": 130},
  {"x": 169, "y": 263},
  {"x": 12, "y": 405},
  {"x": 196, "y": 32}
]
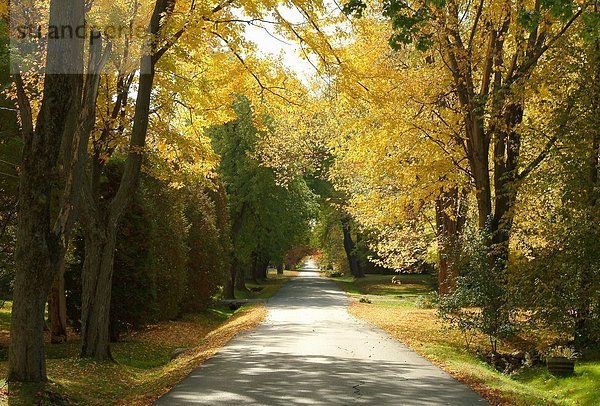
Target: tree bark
[
  {"x": 229, "y": 292},
  {"x": 450, "y": 220},
  {"x": 96, "y": 291},
  {"x": 507, "y": 147},
  {"x": 58, "y": 309},
  {"x": 349, "y": 248},
  {"x": 360, "y": 269},
  {"x": 582, "y": 336},
  {"x": 240, "y": 279},
  {"x": 259, "y": 268},
  {"x": 100, "y": 228},
  {"x": 39, "y": 247},
  {"x": 479, "y": 162},
  {"x": 26, "y": 352}
]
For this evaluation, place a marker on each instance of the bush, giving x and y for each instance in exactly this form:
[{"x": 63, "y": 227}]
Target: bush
[
  {"x": 428, "y": 301},
  {"x": 133, "y": 289},
  {"x": 149, "y": 274},
  {"x": 207, "y": 264},
  {"x": 479, "y": 302},
  {"x": 172, "y": 253},
  {"x": 73, "y": 268},
  {"x": 168, "y": 249},
  {"x": 133, "y": 298},
  {"x": 559, "y": 284}
]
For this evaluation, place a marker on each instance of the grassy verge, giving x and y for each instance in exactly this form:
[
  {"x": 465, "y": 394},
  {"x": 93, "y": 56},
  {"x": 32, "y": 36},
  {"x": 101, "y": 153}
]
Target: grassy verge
[
  {"x": 265, "y": 289},
  {"x": 397, "y": 310},
  {"x": 143, "y": 369}
]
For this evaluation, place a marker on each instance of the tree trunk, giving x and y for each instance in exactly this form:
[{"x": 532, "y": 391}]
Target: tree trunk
[
  {"x": 349, "y": 248},
  {"x": 265, "y": 269},
  {"x": 38, "y": 247},
  {"x": 507, "y": 147},
  {"x": 26, "y": 351},
  {"x": 100, "y": 230},
  {"x": 595, "y": 105},
  {"x": 280, "y": 269},
  {"x": 240, "y": 279},
  {"x": 360, "y": 269},
  {"x": 96, "y": 292},
  {"x": 253, "y": 267},
  {"x": 58, "y": 309},
  {"x": 582, "y": 336},
  {"x": 259, "y": 268},
  {"x": 229, "y": 292},
  {"x": 479, "y": 161},
  {"x": 35, "y": 258},
  {"x": 450, "y": 219}
]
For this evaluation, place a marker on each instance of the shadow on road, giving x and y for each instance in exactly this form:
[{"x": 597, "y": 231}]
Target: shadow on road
[
  {"x": 283, "y": 379},
  {"x": 311, "y": 351}
]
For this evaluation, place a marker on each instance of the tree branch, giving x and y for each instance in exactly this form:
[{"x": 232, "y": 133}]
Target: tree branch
[
  {"x": 542, "y": 155},
  {"x": 523, "y": 70},
  {"x": 548, "y": 147},
  {"x": 23, "y": 104},
  {"x": 475, "y": 24},
  {"x": 254, "y": 75}
]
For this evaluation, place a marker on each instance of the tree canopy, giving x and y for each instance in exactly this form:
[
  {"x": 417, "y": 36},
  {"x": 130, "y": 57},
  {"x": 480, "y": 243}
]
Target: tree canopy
[{"x": 155, "y": 169}]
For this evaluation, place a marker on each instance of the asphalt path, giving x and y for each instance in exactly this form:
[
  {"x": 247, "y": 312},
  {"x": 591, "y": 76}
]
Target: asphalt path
[{"x": 310, "y": 350}]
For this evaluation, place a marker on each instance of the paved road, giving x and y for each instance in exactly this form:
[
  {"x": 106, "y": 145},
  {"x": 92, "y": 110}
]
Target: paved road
[{"x": 310, "y": 350}]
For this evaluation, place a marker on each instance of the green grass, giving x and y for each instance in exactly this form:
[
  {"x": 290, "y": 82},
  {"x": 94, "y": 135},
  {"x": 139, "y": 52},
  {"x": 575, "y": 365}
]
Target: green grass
[
  {"x": 380, "y": 285},
  {"x": 142, "y": 355},
  {"x": 394, "y": 308},
  {"x": 379, "y": 289},
  {"x": 5, "y": 316},
  {"x": 86, "y": 380},
  {"x": 528, "y": 386},
  {"x": 583, "y": 388}
]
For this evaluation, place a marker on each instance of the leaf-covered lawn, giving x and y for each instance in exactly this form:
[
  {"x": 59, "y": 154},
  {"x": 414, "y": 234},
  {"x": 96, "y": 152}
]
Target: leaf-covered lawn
[
  {"x": 394, "y": 309},
  {"x": 143, "y": 370}
]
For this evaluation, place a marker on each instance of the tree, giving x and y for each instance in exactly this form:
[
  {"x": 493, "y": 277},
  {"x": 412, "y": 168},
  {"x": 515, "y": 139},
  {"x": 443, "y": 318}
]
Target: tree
[
  {"x": 491, "y": 52},
  {"x": 300, "y": 146},
  {"x": 506, "y": 86},
  {"x": 39, "y": 243},
  {"x": 267, "y": 219},
  {"x": 174, "y": 31},
  {"x": 556, "y": 230}
]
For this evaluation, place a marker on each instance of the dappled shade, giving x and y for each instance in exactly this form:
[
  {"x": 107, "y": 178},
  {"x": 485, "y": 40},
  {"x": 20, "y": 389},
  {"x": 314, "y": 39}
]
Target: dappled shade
[{"x": 311, "y": 351}]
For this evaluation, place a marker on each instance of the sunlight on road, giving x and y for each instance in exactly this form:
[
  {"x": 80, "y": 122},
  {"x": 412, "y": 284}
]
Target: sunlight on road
[{"x": 310, "y": 350}]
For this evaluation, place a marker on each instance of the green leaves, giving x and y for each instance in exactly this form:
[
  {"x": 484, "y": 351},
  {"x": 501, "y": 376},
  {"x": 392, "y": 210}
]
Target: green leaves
[
  {"x": 529, "y": 19},
  {"x": 591, "y": 26},
  {"x": 563, "y": 9},
  {"x": 267, "y": 219},
  {"x": 354, "y": 8},
  {"x": 408, "y": 25}
]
